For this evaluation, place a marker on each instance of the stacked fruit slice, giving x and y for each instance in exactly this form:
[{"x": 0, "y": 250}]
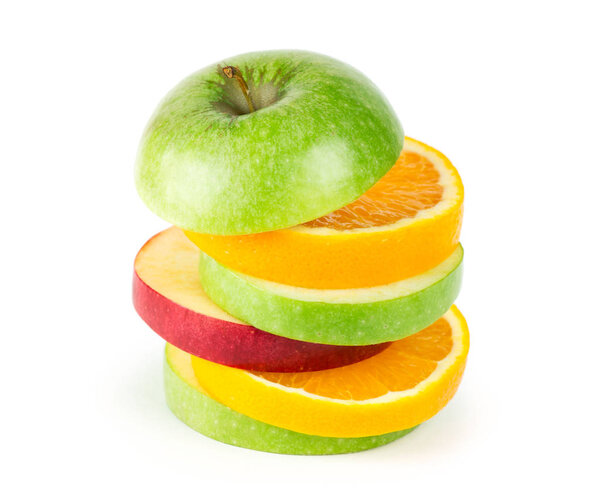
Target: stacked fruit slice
[
  {"x": 169, "y": 296},
  {"x": 330, "y": 336}
]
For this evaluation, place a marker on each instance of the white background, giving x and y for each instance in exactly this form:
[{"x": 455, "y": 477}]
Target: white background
[{"x": 509, "y": 91}]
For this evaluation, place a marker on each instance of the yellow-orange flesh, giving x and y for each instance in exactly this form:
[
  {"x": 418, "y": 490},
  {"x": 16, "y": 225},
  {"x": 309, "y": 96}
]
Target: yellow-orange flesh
[
  {"x": 402, "y": 366},
  {"x": 410, "y": 186}
]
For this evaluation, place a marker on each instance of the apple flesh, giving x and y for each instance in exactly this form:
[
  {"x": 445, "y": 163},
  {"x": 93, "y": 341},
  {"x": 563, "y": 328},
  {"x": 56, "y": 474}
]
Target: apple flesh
[
  {"x": 320, "y": 136},
  {"x": 168, "y": 296},
  {"x": 191, "y": 404},
  {"x": 336, "y": 316}
]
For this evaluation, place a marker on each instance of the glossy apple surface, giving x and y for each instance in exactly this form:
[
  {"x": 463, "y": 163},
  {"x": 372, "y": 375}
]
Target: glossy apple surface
[
  {"x": 336, "y": 316},
  {"x": 168, "y": 296},
  {"x": 321, "y": 135},
  {"x": 190, "y": 404}
]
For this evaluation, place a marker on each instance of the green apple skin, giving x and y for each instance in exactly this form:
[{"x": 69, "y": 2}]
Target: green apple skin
[
  {"x": 321, "y": 136},
  {"x": 211, "y": 418},
  {"x": 335, "y": 323}
]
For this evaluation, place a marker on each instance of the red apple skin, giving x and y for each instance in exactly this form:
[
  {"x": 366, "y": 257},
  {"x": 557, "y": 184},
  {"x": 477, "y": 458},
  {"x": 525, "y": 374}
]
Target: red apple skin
[{"x": 238, "y": 345}]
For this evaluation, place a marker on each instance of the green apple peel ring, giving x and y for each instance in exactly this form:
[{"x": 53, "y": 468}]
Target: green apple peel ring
[
  {"x": 337, "y": 317},
  {"x": 190, "y": 404},
  {"x": 320, "y": 135}
]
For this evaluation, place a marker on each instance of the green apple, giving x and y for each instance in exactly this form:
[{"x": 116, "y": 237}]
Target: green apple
[
  {"x": 190, "y": 404},
  {"x": 362, "y": 316},
  {"x": 320, "y": 135}
]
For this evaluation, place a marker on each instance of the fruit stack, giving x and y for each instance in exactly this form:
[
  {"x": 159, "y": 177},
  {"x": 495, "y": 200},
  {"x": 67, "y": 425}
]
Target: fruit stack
[{"x": 306, "y": 290}]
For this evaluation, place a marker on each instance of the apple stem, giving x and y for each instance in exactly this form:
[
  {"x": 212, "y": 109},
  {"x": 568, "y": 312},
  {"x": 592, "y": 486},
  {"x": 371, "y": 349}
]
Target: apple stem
[{"x": 234, "y": 73}]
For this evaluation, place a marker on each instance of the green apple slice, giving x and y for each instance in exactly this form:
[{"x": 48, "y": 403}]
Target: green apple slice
[
  {"x": 338, "y": 316},
  {"x": 320, "y": 136},
  {"x": 190, "y": 404}
]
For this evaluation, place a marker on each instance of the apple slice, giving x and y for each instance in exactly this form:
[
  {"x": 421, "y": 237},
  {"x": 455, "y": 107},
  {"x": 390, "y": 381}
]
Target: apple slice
[
  {"x": 168, "y": 296},
  {"x": 336, "y": 316},
  {"x": 191, "y": 404}
]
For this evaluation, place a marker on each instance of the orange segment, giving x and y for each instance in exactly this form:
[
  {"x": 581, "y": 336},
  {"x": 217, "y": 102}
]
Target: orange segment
[
  {"x": 401, "y": 366},
  {"x": 433, "y": 343},
  {"x": 406, "y": 224},
  {"x": 412, "y": 185},
  {"x": 401, "y": 387},
  {"x": 393, "y": 371}
]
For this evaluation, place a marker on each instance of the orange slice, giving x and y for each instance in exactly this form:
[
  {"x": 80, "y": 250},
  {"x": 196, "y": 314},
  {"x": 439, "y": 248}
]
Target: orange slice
[
  {"x": 403, "y": 226},
  {"x": 406, "y": 384}
]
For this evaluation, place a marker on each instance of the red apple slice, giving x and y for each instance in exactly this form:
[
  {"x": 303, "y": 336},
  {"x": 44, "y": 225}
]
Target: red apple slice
[{"x": 168, "y": 296}]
